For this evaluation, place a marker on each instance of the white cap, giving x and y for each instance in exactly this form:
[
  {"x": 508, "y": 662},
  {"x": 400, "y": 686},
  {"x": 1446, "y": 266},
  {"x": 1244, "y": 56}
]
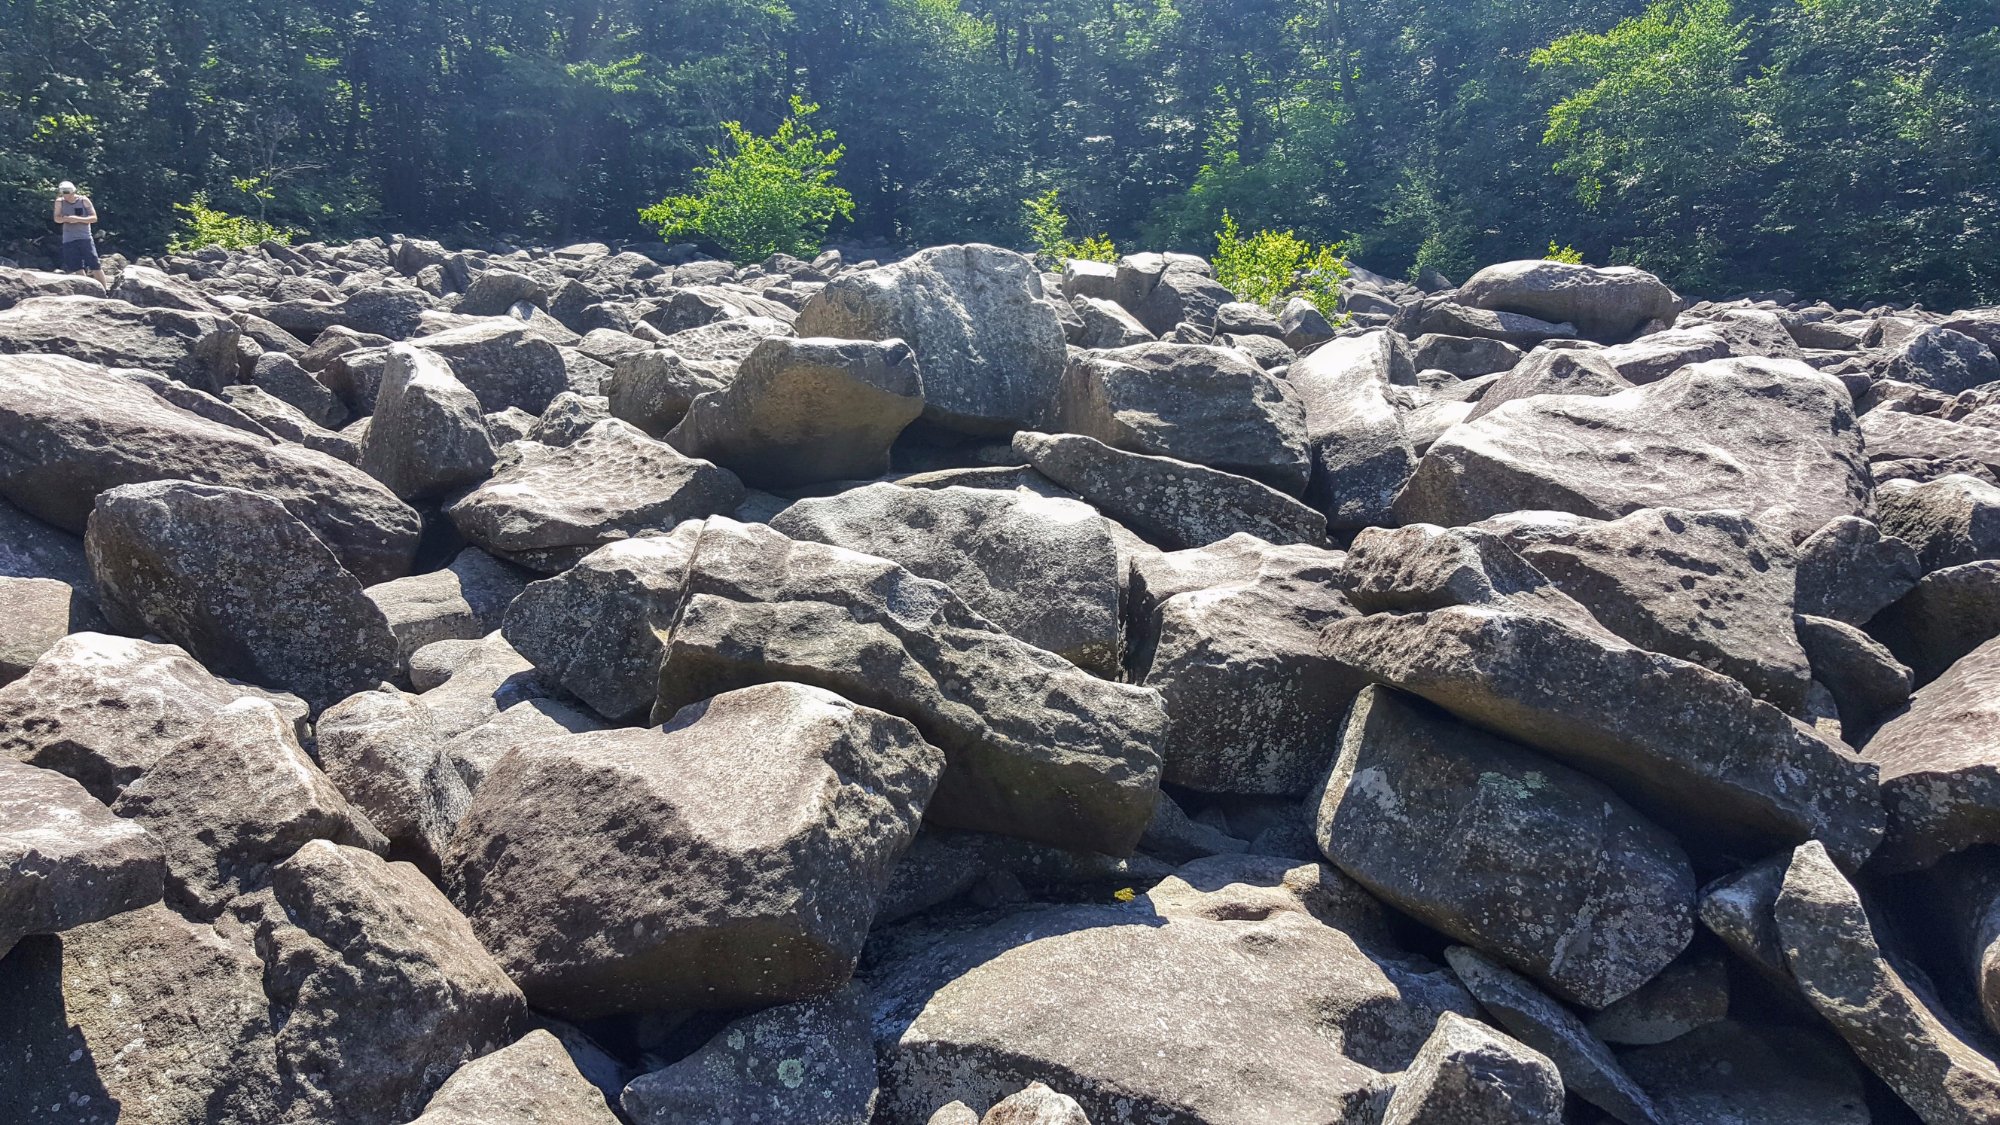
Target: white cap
[{"x": 65, "y": 188}]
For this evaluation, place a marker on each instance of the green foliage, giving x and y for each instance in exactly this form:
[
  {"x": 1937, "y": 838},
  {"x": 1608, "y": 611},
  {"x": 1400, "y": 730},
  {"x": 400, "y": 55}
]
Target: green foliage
[
  {"x": 204, "y": 227},
  {"x": 1048, "y": 227},
  {"x": 765, "y": 195},
  {"x": 1270, "y": 265},
  {"x": 1569, "y": 254}
]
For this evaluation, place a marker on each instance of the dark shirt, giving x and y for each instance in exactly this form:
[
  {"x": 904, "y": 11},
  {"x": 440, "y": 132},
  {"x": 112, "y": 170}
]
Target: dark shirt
[{"x": 77, "y": 232}]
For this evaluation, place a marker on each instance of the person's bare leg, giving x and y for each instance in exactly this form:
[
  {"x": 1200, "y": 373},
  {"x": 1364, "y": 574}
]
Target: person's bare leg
[{"x": 98, "y": 273}]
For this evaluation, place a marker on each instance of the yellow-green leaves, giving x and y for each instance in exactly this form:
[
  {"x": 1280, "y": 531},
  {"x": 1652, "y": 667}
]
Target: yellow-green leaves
[
  {"x": 1269, "y": 265},
  {"x": 763, "y": 196}
]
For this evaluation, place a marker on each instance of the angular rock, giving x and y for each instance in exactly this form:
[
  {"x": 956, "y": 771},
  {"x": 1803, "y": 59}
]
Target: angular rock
[
  {"x": 1044, "y": 570},
  {"x": 1469, "y": 1074},
  {"x": 1950, "y": 613},
  {"x": 1832, "y": 950},
  {"x": 802, "y": 411},
  {"x": 568, "y": 417},
  {"x": 726, "y": 343},
  {"x": 1952, "y": 520},
  {"x": 809, "y": 1061},
  {"x": 1442, "y": 315},
  {"x": 1303, "y": 324},
  {"x": 1361, "y": 455},
  {"x": 395, "y": 313},
  {"x": 653, "y": 388},
  {"x": 30, "y": 548},
  {"x": 1943, "y": 360},
  {"x": 1776, "y": 441},
  {"x": 1732, "y": 1073},
  {"x": 236, "y": 580},
  {"x": 1895, "y": 435},
  {"x": 1425, "y": 567},
  {"x": 1940, "y": 763},
  {"x": 987, "y": 339},
  {"x": 1752, "y": 333},
  {"x": 72, "y": 431},
  {"x": 1866, "y": 682},
  {"x": 1737, "y": 909},
  {"x": 697, "y": 305},
  {"x": 1691, "y": 993},
  {"x": 465, "y": 601},
  {"x": 41, "y": 611},
  {"x": 503, "y": 363},
  {"x": 198, "y": 349},
  {"x": 1650, "y": 359},
  {"x": 1467, "y": 357},
  {"x": 64, "y": 859},
  {"x": 1607, "y": 303},
  {"x": 1567, "y": 371},
  {"x": 17, "y": 285},
  {"x": 1175, "y": 504},
  {"x": 427, "y": 435},
  {"x": 1182, "y": 295},
  {"x": 532, "y": 1082},
  {"x": 1036, "y": 1105},
  {"x": 771, "y": 818},
  {"x": 1849, "y": 571},
  {"x": 495, "y": 291},
  {"x": 385, "y": 751},
  {"x": 1106, "y": 324},
  {"x": 548, "y": 507},
  {"x": 1489, "y": 842}
]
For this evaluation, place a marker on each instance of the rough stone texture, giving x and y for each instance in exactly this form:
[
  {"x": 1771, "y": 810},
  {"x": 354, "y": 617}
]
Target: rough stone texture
[
  {"x": 1940, "y": 763},
  {"x": 731, "y": 859},
  {"x": 69, "y": 431},
  {"x": 1950, "y": 613},
  {"x": 1732, "y": 1073},
  {"x": 1691, "y": 993},
  {"x": 385, "y": 751},
  {"x": 1942, "y": 360},
  {"x": 1833, "y": 953},
  {"x": 1849, "y": 571},
  {"x": 17, "y": 285},
  {"x": 1443, "y": 315},
  {"x": 1226, "y": 1001},
  {"x": 1044, "y": 570},
  {"x": 1467, "y": 357},
  {"x": 1228, "y": 635},
  {"x": 1693, "y": 749},
  {"x": 503, "y": 362},
  {"x": 236, "y": 580},
  {"x": 1036, "y": 1105},
  {"x": 806, "y": 410},
  {"x": 64, "y": 859},
  {"x": 30, "y": 548},
  {"x": 1951, "y": 520},
  {"x": 548, "y": 507},
  {"x": 1469, "y": 1074},
  {"x": 989, "y": 343},
  {"x": 198, "y": 349},
  {"x": 809, "y": 1063},
  {"x": 1546, "y": 371},
  {"x": 1106, "y": 324},
  {"x": 1588, "y": 1068},
  {"x": 1895, "y": 435},
  {"x": 1191, "y": 402},
  {"x": 1774, "y": 440},
  {"x": 464, "y": 601},
  {"x": 1607, "y": 303},
  {"x": 1174, "y": 504},
  {"x": 532, "y": 1082},
  {"x": 724, "y": 344},
  {"x": 40, "y": 612},
  {"x": 427, "y": 435},
  {"x": 1865, "y": 680},
  {"x": 1361, "y": 455},
  {"x": 1183, "y": 295},
  {"x": 1038, "y": 748},
  {"x": 495, "y": 291},
  {"x": 1499, "y": 847},
  {"x": 653, "y": 389},
  {"x": 1425, "y": 567}
]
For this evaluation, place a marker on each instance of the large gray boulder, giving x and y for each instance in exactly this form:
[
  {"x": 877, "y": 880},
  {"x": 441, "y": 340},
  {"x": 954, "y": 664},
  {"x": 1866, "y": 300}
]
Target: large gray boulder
[
  {"x": 1940, "y": 763},
  {"x": 1850, "y": 571},
  {"x": 394, "y": 312},
  {"x": 804, "y": 410},
  {"x": 987, "y": 338},
  {"x": 1942, "y": 360},
  {"x": 1551, "y": 371},
  {"x": 70, "y": 430},
  {"x": 628, "y": 593},
  {"x": 198, "y": 349},
  {"x": 1470, "y": 1074},
  {"x": 532, "y": 1082},
  {"x": 653, "y": 388},
  {"x": 503, "y": 362},
  {"x": 234, "y": 578},
  {"x": 1607, "y": 303},
  {"x": 1171, "y": 503},
  {"x": 1772, "y": 439},
  {"x": 1044, "y": 570},
  {"x": 42, "y": 611},
  {"x": 1732, "y": 1073},
  {"x": 464, "y": 601},
  {"x": 548, "y": 506},
  {"x": 1192, "y": 402},
  {"x": 1947, "y": 615},
  {"x": 17, "y": 285},
  {"x": 427, "y": 435},
  {"x": 495, "y": 291},
  {"x": 731, "y": 858},
  {"x": 1486, "y": 841},
  {"x": 810, "y": 1063},
  {"x": 1351, "y": 388},
  {"x": 1952, "y": 520},
  {"x": 1037, "y": 748},
  {"x": 1897, "y": 435},
  {"x": 64, "y": 858}
]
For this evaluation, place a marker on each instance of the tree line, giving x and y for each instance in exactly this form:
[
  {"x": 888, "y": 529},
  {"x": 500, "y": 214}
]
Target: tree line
[{"x": 1840, "y": 148}]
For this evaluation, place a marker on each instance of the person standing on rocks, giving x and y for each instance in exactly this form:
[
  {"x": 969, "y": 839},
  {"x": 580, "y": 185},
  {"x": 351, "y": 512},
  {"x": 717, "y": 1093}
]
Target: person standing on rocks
[{"x": 76, "y": 215}]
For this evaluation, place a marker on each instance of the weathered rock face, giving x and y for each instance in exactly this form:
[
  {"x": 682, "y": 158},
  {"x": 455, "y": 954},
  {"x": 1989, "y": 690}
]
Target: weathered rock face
[
  {"x": 1863, "y": 678},
  {"x": 1605, "y": 303},
  {"x": 1192, "y": 402},
  {"x": 807, "y": 1061},
  {"x": 427, "y": 435},
  {"x": 1045, "y": 570},
  {"x": 653, "y": 388},
  {"x": 1471, "y": 1074},
  {"x": 987, "y": 339},
  {"x": 1943, "y": 360},
  {"x": 1036, "y": 1105},
  {"x": 548, "y": 506},
  {"x": 806, "y": 410},
  {"x": 1551, "y": 372},
  {"x": 1361, "y": 455},
  {"x": 1848, "y": 571},
  {"x": 69, "y": 431},
  {"x": 464, "y": 601},
  {"x": 1948, "y": 614},
  {"x": 1951, "y": 520},
  {"x": 291, "y": 618},
  {"x": 64, "y": 859},
  {"x": 504, "y": 363},
  {"x": 1776, "y": 441},
  {"x": 198, "y": 349},
  {"x": 1158, "y": 1010},
  {"x": 814, "y": 795},
  {"x": 42, "y": 612},
  {"x": 532, "y": 1082},
  {"x": 1940, "y": 763},
  {"x": 1470, "y": 834}
]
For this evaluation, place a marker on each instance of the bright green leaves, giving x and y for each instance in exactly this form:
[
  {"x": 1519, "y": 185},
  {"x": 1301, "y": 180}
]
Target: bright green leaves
[
  {"x": 203, "y": 227},
  {"x": 1270, "y": 265},
  {"x": 1048, "y": 227},
  {"x": 764, "y": 195}
]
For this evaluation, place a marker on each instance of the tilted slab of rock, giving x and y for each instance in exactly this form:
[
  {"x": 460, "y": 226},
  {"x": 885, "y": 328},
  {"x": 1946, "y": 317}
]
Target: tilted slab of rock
[
  {"x": 1443, "y": 315},
  {"x": 987, "y": 338},
  {"x": 1940, "y": 763},
  {"x": 652, "y": 389},
  {"x": 1732, "y": 1073},
  {"x": 69, "y": 431},
  {"x": 1865, "y": 680},
  {"x": 1833, "y": 953},
  {"x": 1947, "y": 615},
  {"x": 503, "y": 362},
  {"x": 1652, "y": 358},
  {"x": 731, "y": 859},
  {"x": 1526, "y": 859},
  {"x": 1226, "y": 1003},
  {"x": 1566, "y": 371},
  {"x": 1774, "y": 440},
  {"x": 1849, "y": 570},
  {"x": 1470, "y": 1074},
  {"x": 464, "y": 601},
  {"x": 1467, "y": 357},
  {"x": 810, "y": 1061},
  {"x": 1044, "y": 570},
  {"x": 1952, "y": 520},
  {"x": 1424, "y": 567},
  {"x": 806, "y": 410},
  {"x": 1691, "y": 748},
  {"x": 198, "y": 349},
  {"x": 30, "y": 548},
  {"x": 41, "y": 611},
  {"x": 1192, "y": 402},
  {"x": 1037, "y": 748},
  {"x": 532, "y": 1082},
  {"x": 17, "y": 285},
  {"x": 1361, "y": 455},
  {"x": 64, "y": 859},
  {"x": 1607, "y": 303},
  {"x": 550, "y": 506},
  {"x": 427, "y": 435},
  {"x": 1692, "y": 992},
  {"x": 232, "y": 577},
  {"x": 1893, "y": 435},
  {"x": 1175, "y": 504}
]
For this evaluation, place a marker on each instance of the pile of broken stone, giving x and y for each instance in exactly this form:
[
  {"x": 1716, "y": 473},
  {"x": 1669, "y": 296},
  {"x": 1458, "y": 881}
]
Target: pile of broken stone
[{"x": 581, "y": 685}]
